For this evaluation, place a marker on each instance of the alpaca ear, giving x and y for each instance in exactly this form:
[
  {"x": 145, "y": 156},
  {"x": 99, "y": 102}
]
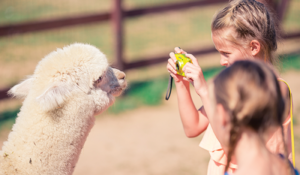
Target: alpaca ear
[
  {"x": 21, "y": 90},
  {"x": 55, "y": 96}
]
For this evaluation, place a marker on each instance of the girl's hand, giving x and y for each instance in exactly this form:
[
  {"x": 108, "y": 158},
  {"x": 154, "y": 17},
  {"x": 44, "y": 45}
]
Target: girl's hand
[
  {"x": 172, "y": 67},
  {"x": 194, "y": 75}
]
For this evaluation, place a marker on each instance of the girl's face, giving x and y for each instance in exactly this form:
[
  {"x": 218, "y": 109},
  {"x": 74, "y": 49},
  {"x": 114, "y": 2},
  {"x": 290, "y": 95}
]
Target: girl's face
[
  {"x": 220, "y": 121},
  {"x": 229, "y": 51}
]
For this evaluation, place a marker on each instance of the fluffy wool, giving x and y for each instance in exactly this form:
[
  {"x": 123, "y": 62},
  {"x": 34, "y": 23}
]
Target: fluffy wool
[{"x": 69, "y": 86}]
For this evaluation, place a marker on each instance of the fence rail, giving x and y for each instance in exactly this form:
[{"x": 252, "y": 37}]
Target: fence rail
[
  {"x": 34, "y": 26},
  {"x": 117, "y": 17}
]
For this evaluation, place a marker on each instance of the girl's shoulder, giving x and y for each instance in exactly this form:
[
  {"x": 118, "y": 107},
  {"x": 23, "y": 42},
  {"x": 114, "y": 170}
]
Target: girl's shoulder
[
  {"x": 209, "y": 140},
  {"x": 290, "y": 164},
  {"x": 284, "y": 86}
]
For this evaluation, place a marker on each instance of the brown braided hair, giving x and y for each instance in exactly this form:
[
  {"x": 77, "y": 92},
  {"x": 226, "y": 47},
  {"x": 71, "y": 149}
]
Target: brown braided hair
[
  {"x": 250, "y": 93},
  {"x": 251, "y": 21}
]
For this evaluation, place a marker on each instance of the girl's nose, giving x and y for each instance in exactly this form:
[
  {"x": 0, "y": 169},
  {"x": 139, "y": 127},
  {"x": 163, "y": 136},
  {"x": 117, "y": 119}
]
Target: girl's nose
[{"x": 224, "y": 61}]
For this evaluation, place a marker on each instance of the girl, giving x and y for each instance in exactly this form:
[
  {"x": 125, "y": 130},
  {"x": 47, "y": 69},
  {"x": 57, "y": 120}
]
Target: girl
[
  {"x": 244, "y": 29},
  {"x": 242, "y": 122}
]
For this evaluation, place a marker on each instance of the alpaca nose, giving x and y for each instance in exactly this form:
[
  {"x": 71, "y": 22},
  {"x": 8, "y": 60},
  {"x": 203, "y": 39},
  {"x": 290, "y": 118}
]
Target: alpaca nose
[{"x": 121, "y": 76}]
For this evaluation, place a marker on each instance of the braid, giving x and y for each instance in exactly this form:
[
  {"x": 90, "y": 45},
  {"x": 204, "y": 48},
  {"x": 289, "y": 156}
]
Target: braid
[{"x": 234, "y": 135}]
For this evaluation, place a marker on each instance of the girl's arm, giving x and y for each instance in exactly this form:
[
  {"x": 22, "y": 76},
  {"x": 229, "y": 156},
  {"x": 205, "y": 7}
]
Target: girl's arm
[
  {"x": 194, "y": 121},
  {"x": 195, "y": 75}
]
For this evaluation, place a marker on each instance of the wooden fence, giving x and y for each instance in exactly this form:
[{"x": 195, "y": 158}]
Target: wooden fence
[{"x": 117, "y": 16}]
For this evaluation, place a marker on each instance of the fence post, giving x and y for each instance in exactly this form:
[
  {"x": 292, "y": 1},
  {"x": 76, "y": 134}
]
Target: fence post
[
  {"x": 281, "y": 10},
  {"x": 117, "y": 19},
  {"x": 3, "y": 93}
]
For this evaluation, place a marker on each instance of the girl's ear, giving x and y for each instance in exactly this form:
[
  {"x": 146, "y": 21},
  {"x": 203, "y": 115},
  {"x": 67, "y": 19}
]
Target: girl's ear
[{"x": 255, "y": 47}]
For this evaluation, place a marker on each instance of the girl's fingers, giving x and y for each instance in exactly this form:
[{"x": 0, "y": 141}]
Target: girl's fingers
[
  {"x": 170, "y": 67},
  {"x": 185, "y": 67},
  {"x": 171, "y": 62},
  {"x": 192, "y": 72},
  {"x": 179, "y": 50},
  {"x": 189, "y": 74},
  {"x": 189, "y": 66},
  {"x": 186, "y": 79},
  {"x": 172, "y": 56},
  {"x": 194, "y": 59},
  {"x": 189, "y": 80}
]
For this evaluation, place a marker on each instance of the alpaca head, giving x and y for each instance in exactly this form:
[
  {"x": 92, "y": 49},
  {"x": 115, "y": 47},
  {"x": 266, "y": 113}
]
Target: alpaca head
[{"x": 78, "y": 73}]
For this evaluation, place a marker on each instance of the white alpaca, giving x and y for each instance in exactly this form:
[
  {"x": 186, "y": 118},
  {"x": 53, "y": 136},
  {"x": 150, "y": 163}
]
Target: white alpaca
[{"x": 69, "y": 86}]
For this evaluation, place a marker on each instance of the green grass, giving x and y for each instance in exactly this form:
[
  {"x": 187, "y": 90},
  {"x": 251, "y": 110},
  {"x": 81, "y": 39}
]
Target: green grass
[
  {"x": 291, "y": 21},
  {"x": 7, "y": 118},
  {"x": 140, "y": 93},
  {"x": 291, "y": 62},
  {"x": 19, "y": 10},
  {"x": 11, "y": 13},
  {"x": 296, "y": 113}
]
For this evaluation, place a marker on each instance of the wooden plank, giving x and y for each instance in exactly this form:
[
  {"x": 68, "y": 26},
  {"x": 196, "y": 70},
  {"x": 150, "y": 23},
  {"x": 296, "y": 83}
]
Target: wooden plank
[
  {"x": 34, "y": 26},
  {"x": 163, "y": 58},
  {"x": 118, "y": 31},
  {"x": 281, "y": 10},
  {"x": 170, "y": 7},
  {"x": 3, "y": 93},
  {"x": 291, "y": 35}
]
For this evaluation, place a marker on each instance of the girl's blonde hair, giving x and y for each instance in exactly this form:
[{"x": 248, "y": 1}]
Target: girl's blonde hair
[
  {"x": 250, "y": 20},
  {"x": 250, "y": 93}
]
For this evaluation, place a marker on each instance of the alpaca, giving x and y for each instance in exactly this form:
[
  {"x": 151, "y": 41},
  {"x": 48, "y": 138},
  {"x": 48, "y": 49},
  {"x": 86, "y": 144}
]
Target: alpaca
[{"x": 68, "y": 88}]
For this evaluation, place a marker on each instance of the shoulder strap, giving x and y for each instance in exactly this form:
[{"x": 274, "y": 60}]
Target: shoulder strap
[
  {"x": 291, "y": 114},
  {"x": 169, "y": 90}
]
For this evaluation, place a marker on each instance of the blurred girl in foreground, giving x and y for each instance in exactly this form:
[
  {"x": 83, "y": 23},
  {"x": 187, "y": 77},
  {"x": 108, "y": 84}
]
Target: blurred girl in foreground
[{"x": 247, "y": 105}]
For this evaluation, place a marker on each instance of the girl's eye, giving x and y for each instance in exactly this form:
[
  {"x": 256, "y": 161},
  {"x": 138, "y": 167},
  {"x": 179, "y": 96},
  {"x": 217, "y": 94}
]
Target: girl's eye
[{"x": 225, "y": 54}]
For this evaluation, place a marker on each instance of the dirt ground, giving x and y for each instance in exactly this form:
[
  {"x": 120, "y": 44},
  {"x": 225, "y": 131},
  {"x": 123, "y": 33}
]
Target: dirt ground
[
  {"x": 146, "y": 141},
  {"x": 151, "y": 141}
]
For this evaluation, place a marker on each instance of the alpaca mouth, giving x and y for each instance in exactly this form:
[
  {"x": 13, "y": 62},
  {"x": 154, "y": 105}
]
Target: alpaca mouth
[{"x": 117, "y": 91}]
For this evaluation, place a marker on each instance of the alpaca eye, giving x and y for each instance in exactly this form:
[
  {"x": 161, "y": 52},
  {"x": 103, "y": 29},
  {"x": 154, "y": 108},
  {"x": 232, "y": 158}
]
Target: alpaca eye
[{"x": 99, "y": 79}]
